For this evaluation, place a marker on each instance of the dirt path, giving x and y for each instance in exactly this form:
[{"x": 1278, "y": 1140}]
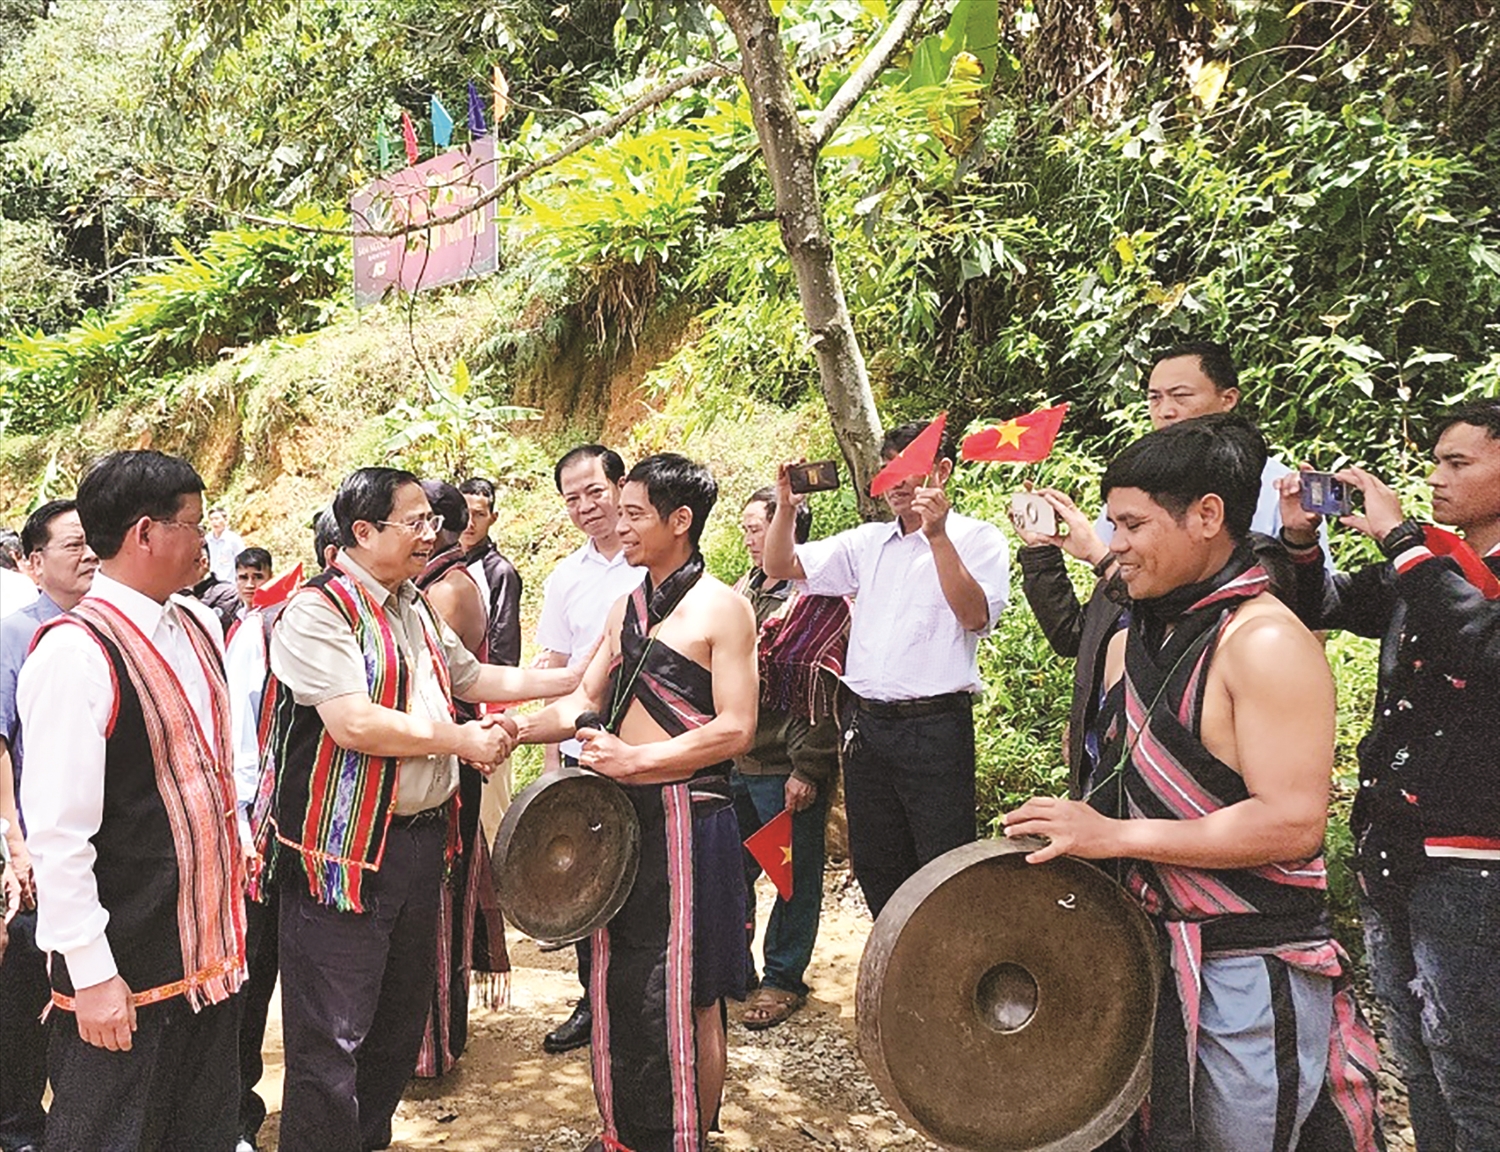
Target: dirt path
[{"x": 797, "y": 1087}]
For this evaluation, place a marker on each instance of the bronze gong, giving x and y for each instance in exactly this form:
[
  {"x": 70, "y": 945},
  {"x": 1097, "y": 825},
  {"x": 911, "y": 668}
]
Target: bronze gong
[
  {"x": 566, "y": 855},
  {"x": 1007, "y": 1006}
]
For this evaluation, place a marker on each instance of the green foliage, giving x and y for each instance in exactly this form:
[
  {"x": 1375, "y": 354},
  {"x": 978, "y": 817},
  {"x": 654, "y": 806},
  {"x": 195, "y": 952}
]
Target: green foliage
[
  {"x": 245, "y": 285},
  {"x": 460, "y": 432}
]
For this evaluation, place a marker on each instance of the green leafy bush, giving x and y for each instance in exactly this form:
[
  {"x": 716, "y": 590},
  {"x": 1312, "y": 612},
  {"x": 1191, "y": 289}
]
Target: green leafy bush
[{"x": 245, "y": 285}]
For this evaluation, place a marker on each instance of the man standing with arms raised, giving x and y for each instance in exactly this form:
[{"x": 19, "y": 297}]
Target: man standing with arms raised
[
  {"x": 129, "y": 800},
  {"x": 52, "y": 540},
  {"x": 356, "y": 815},
  {"x": 575, "y": 602},
  {"x": 673, "y": 690},
  {"x": 926, "y": 587}
]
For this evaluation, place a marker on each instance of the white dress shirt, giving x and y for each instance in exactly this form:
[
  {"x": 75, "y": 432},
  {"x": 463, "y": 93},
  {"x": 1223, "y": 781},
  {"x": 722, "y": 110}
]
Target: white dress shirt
[
  {"x": 245, "y": 670},
  {"x": 576, "y": 600},
  {"x": 65, "y": 696},
  {"x": 16, "y": 591},
  {"x": 904, "y": 640},
  {"x": 221, "y": 553}
]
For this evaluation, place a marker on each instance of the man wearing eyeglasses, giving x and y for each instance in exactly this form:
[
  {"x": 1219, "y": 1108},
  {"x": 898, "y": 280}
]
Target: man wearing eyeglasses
[
  {"x": 53, "y": 542},
  {"x": 128, "y": 792},
  {"x": 355, "y": 827}
]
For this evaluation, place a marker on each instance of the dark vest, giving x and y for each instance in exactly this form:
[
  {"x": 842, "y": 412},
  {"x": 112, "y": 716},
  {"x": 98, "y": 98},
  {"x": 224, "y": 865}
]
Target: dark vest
[{"x": 136, "y": 868}]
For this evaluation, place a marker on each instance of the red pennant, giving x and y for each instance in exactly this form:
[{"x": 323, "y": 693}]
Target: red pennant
[
  {"x": 279, "y": 589},
  {"x": 1020, "y": 440},
  {"x": 409, "y": 134},
  {"x": 772, "y": 848},
  {"x": 916, "y": 459},
  {"x": 1475, "y": 570}
]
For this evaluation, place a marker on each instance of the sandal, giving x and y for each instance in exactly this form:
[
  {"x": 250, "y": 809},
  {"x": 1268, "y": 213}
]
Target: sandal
[{"x": 770, "y": 1007}]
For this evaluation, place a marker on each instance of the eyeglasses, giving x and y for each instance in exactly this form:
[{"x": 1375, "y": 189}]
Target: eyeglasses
[
  {"x": 432, "y": 522},
  {"x": 200, "y": 527}
]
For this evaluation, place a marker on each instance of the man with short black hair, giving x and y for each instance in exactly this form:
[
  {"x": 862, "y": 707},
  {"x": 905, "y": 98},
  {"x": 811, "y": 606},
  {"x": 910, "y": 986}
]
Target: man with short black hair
[
  {"x": 575, "y": 602},
  {"x": 926, "y": 587},
  {"x": 59, "y": 556},
  {"x": 674, "y": 687},
  {"x": 223, "y": 544},
  {"x": 252, "y": 568},
  {"x": 129, "y": 798},
  {"x": 366, "y": 674},
  {"x": 1222, "y": 733},
  {"x": 1426, "y": 819},
  {"x": 496, "y": 576}
]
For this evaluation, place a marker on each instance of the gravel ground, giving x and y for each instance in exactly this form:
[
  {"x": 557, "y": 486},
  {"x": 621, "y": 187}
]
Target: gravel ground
[{"x": 797, "y": 1088}]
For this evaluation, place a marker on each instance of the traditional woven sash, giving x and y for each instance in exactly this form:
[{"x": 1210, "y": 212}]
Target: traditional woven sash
[
  {"x": 676, "y": 692},
  {"x": 1275, "y": 909},
  {"x": 196, "y": 783},
  {"x": 805, "y": 636},
  {"x": 350, "y": 795}
]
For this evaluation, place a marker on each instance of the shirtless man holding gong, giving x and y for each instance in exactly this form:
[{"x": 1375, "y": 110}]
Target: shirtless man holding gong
[{"x": 672, "y": 695}]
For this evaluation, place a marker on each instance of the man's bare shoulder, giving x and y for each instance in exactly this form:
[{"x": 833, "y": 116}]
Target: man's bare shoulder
[
  {"x": 720, "y": 606},
  {"x": 1265, "y": 636}
]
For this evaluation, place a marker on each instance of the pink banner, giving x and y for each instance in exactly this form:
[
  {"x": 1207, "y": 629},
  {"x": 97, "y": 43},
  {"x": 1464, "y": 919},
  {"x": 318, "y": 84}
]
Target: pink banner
[{"x": 434, "y": 254}]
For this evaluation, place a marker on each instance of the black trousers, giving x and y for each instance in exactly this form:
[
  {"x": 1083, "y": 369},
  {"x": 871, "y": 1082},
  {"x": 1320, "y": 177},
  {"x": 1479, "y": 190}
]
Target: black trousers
[
  {"x": 355, "y": 990},
  {"x": 176, "y": 1090},
  {"x": 24, "y": 993},
  {"x": 255, "y": 1002},
  {"x": 909, "y": 792}
]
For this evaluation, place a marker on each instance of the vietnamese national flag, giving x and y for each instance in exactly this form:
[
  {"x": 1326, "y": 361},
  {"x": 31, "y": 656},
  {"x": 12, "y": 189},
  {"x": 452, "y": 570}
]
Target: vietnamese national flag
[
  {"x": 1443, "y": 543},
  {"x": 409, "y": 134},
  {"x": 917, "y": 459},
  {"x": 275, "y": 591},
  {"x": 1020, "y": 440},
  {"x": 772, "y": 848}
]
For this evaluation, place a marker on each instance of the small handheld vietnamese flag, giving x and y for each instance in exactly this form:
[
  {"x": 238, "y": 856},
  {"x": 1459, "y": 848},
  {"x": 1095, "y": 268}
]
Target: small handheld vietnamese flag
[
  {"x": 275, "y": 591},
  {"x": 477, "y": 126},
  {"x": 916, "y": 459},
  {"x": 1020, "y": 440},
  {"x": 409, "y": 134},
  {"x": 442, "y": 124},
  {"x": 1444, "y": 543},
  {"x": 772, "y": 848}
]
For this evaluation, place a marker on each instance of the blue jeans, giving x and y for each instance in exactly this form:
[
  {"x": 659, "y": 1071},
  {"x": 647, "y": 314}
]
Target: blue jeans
[
  {"x": 793, "y": 927},
  {"x": 1432, "y": 958}
]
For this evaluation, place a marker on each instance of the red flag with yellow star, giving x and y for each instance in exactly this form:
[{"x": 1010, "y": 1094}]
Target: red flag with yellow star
[
  {"x": 1020, "y": 440},
  {"x": 772, "y": 848}
]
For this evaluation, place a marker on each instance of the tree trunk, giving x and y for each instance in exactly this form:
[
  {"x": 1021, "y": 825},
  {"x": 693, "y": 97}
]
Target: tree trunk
[{"x": 792, "y": 160}]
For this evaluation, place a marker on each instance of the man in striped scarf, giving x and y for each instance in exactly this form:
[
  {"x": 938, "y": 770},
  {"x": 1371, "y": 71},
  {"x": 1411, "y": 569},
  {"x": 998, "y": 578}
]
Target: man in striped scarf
[{"x": 1222, "y": 747}]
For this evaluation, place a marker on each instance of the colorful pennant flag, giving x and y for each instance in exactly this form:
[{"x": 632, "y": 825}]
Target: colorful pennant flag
[
  {"x": 275, "y": 591},
  {"x": 477, "y": 126},
  {"x": 1020, "y": 440},
  {"x": 916, "y": 459},
  {"x": 383, "y": 145},
  {"x": 1441, "y": 542},
  {"x": 502, "y": 96},
  {"x": 442, "y": 125},
  {"x": 409, "y": 134},
  {"x": 772, "y": 848}
]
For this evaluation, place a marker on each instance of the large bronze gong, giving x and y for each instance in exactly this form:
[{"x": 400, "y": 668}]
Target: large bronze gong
[
  {"x": 566, "y": 855},
  {"x": 1005, "y": 1006}
]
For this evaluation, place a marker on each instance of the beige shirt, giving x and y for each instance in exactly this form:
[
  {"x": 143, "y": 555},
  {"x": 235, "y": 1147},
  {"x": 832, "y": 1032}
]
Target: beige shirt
[{"x": 315, "y": 654}]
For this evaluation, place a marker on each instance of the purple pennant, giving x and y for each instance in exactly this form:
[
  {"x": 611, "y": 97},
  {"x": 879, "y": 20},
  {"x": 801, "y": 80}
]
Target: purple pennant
[{"x": 477, "y": 126}]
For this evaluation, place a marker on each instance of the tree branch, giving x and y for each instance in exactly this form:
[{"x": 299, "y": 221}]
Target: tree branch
[
  {"x": 867, "y": 73},
  {"x": 582, "y": 140}
]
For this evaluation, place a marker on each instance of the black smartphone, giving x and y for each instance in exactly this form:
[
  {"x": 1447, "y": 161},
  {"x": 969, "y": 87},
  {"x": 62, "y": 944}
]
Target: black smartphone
[
  {"x": 819, "y": 476},
  {"x": 1323, "y": 494}
]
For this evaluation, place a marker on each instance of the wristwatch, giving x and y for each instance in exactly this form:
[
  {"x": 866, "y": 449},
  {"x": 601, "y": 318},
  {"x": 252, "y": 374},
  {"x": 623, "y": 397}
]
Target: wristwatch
[{"x": 1403, "y": 536}]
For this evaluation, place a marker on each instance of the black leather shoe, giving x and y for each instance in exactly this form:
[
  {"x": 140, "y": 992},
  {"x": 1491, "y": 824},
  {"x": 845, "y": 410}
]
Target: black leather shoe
[{"x": 573, "y": 1032}]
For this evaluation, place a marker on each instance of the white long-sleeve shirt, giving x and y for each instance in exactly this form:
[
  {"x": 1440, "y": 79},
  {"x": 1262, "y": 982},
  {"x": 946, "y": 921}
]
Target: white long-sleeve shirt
[
  {"x": 245, "y": 670},
  {"x": 65, "y": 696}
]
